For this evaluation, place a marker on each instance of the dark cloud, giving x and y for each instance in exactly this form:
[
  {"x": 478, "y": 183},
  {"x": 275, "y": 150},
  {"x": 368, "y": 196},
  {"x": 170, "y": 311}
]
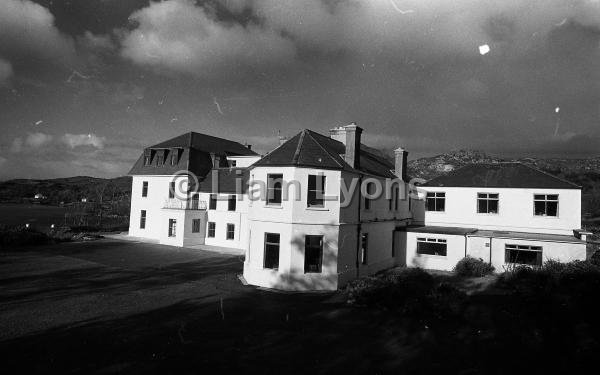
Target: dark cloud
[{"x": 125, "y": 69}]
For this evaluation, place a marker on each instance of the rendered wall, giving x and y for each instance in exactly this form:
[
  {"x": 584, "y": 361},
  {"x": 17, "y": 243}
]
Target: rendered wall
[{"x": 515, "y": 210}]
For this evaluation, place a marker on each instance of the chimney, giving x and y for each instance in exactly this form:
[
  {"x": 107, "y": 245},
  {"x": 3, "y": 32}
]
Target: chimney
[
  {"x": 400, "y": 163},
  {"x": 352, "y": 142},
  {"x": 339, "y": 134},
  {"x": 216, "y": 160}
]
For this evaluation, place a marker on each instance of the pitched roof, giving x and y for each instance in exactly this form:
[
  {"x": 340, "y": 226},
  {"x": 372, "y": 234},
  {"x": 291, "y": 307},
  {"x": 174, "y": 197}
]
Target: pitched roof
[
  {"x": 206, "y": 143},
  {"x": 501, "y": 175},
  {"x": 193, "y": 154},
  {"x": 311, "y": 149}
]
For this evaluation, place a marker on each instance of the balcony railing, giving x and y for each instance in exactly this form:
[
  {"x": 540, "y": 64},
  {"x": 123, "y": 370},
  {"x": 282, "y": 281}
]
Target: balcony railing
[{"x": 181, "y": 204}]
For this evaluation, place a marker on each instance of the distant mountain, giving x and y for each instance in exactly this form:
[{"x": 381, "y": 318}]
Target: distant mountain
[
  {"x": 66, "y": 190},
  {"x": 584, "y": 172}
]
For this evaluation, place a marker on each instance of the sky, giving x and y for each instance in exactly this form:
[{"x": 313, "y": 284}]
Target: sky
[{"x": 85, "y": 85}]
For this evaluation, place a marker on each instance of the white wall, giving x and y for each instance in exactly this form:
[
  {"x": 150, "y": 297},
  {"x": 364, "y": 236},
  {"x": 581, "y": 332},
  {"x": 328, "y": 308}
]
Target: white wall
[
  {"x": 222, "y": 216},
  {"x": 243, "y": 161},
  {"x": 294, "y": 220},
  {"x": 455, "y": 252},
  {"x": 158, "y": 192},
  {"x": 515, "y": 210}
]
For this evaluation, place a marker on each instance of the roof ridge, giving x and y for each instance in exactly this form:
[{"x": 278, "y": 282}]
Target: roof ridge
[
  {"x": 298, "y": 147},
  {"x": 324, "y": 149},
  {"x": 548, "y": 174}
]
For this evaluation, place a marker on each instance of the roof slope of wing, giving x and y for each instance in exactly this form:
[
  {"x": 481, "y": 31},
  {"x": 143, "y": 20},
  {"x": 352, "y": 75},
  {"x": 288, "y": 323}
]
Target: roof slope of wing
[{"x": 501, "y": 175}]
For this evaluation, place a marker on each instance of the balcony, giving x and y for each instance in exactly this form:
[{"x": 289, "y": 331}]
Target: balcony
[{"x": 181, "y": 204}]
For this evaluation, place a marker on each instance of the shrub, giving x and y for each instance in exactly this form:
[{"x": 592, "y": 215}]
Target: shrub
[
  {"x": 390, "y": 290},
  {"x": 19, "y": 236},
  {"x": 472, "y": 267}
]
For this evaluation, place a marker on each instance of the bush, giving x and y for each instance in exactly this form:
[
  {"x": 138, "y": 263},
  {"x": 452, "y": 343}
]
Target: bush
[
  {"x": 390, "y": 290},
  {"x": 472, "y": 267}
]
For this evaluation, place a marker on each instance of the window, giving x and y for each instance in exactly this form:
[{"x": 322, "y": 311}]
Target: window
[
  {"x": 436, "y": 201},
  {"x": 147, "y": 157},
  {"x": 172, "y": 227},
  {"x": 233, "y": 163},
  {"x": 274, "y": 188},
  {"x": 271, "y": 259},
  {"x": 231, "y": 203},
  {"x": 211, "y": 229},
  {"x": 487, "y": 203},
  {"x": 313, "y": 254},
  {"x": 364, "y": 245},
  {"x": 195, "y": 225},
  {"x": 195, "y": 201},
  {"x": 145, "y": 189},
  {"x": 545, "y": 204},
  {"x": 143, "y": 219},
  {"x": 370, "y": 186},
  {"x": 397, "y": 190},
  {"x": 316, "y": 190},
  {"x": 174, "y": 157},
  {"x": 160, "y": 158},
  {"x": 521, "y": 254},
  {"x": 230, "y": 232},
  {"x": 431, "y": 246},
  {"x": 212, "y": 202},
  {"x": 172, "y": 190}
]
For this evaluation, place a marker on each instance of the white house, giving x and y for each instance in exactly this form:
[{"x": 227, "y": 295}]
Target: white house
[
  {"x": 504, "y": 213},
  {"x": 312, "y": 243},
  {"x": 319, "y": 211},
  {"x": 184, "y": 192}
]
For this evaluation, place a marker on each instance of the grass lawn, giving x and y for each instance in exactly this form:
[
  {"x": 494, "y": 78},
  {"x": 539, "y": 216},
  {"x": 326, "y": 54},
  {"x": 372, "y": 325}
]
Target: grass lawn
[{"x": 109, "y": 306}]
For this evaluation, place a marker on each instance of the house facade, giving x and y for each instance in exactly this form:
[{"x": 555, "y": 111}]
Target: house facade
[
  {"x": 319, "y": 211},
  {"x": 504, "y": 213}
]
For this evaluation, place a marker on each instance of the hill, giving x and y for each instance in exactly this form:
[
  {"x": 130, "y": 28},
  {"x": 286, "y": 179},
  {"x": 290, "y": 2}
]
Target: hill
[{"x": 66, "y": 190}]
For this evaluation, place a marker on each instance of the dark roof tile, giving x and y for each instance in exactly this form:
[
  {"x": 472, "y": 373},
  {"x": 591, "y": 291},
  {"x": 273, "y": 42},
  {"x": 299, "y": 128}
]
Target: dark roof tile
[{"x": 501, "y": 175}]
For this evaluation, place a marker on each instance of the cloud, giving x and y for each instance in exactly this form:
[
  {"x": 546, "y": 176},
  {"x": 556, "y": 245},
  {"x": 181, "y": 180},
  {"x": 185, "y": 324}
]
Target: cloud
[
  {"x": 177, "y": 35},
  {"x": 28, "y": 30},
  {"x": 37, "y": 140},
  {"x": 80, "y": 140},
  {"x": 32, "y": 141},
  {"x": 6, "y": 72},
  {"x": 2, "y": 161}
]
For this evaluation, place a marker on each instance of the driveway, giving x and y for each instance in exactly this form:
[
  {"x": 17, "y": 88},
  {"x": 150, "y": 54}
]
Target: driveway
[{"x": 115, "y": 306}]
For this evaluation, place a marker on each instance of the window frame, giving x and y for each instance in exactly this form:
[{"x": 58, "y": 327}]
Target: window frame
[
  {"x": 143, "y": 218},
  {"x": 319, "y": 266},
  {"x": 211, "y": 229},
  {"x": 546, "y": 200},
  {"x": 232, "y": 202},
  {"x": 431, "y": 240},
  {"x": 316, "y": 190},
  {"x": 171, "y": 189},
  {"x": 144, "y": 189},
  {"x": 228, "y": 231},
  {"x": 364, "y": 248},
  {"x": 266, "y": 247},
  {"x": 273, "y": 200},
  {"x": 539, "y": 250},
  {"x": 437, "y": 196},
  {"x": 488, "y": 199},
  {"x": 212, "y": 201},
  {"x": 196, "y": 225},
  {"x": 172, "y": 228}
]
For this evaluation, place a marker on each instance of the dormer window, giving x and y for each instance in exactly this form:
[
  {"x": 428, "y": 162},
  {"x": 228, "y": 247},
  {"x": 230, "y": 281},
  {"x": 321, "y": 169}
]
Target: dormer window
[
  {"x": 174, "y": 156},
  {"x": 233, "y": 163},
  {"x": 160, "y": 158},
  {"x": 147, "y": 157}
]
